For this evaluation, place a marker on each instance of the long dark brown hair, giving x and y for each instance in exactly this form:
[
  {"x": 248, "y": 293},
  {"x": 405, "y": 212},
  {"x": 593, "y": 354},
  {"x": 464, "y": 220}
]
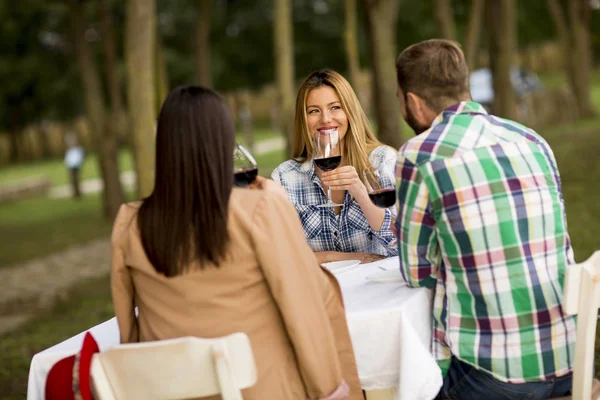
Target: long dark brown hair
[{"x": 185, "y": 217}]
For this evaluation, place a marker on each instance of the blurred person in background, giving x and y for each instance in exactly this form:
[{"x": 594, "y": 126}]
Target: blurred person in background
[
  {"x": 74, "y": 157},
  {"x": 327, "y": 105},
  {"x": 200, "y": 258}
]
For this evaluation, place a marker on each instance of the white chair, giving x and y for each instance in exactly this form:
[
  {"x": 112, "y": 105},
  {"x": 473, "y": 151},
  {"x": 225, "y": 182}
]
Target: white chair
[
  {"x": 582, "y": 297},
  {"x": 172, "y": 369}
]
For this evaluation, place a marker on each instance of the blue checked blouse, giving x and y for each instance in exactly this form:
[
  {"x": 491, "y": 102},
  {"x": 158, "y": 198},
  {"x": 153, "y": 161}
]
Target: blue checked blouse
[{"x": 350, "y": 231}]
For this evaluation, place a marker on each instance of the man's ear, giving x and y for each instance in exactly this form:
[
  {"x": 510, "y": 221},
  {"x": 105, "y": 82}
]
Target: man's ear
[
  {"x": 417, "y": 106},
  {"x": 421, "y": 111}
]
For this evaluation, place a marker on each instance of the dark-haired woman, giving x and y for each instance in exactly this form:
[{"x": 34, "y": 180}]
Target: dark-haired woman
[{"x": 200, "y": 258}]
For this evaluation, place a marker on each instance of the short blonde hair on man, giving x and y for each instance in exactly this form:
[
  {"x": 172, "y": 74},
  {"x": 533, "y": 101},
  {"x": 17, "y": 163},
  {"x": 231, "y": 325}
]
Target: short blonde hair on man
[
  {"x": 436, "y": 71},
  {"x": 359, "y": 140}
]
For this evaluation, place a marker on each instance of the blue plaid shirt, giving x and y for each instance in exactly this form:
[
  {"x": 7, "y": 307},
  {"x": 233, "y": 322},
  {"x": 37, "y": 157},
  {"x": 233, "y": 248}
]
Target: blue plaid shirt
[{"x": 349, "y": 231}]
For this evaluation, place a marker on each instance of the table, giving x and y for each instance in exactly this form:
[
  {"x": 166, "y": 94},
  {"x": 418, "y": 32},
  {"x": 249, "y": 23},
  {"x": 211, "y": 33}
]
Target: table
[{"x": 389, "y": 323}]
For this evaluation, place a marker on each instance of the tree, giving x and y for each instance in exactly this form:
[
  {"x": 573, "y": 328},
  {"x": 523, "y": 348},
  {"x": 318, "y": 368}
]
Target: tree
[
  {"x": 351, "y": 41},
  {"x": 473, "y": 32},
  {"x": 203, "y": 52},
  {"x": 382, "y": 17},
  {"x": 40, "y": 80},
  {"x": 162, "y": 75},
  {"x": 445, "y": 19},
  {"x": 111, "y": 67},
  {"x": 140, "y": 53},
  {"x": 284, "y": 65},
  {"x": 104, "y": 142},
  {"x": 575, "y": 42},
  {"x": 501, "y": 21}
]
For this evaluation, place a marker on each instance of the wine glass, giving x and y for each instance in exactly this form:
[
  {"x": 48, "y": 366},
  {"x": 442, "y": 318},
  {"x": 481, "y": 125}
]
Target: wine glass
[
  {"x": 381, "y": 196},
  {"x": 327, "y": 156},
  {"x": 245, "y": 168}
]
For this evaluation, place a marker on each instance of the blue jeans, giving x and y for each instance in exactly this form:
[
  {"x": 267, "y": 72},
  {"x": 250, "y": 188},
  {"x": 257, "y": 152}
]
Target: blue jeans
[{"x": 465, "y": 382}]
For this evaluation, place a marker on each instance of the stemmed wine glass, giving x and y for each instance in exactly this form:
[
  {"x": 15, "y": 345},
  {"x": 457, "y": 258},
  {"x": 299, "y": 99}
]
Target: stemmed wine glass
[
  {"x": 327, "y": 156},
  {"x": 380, "y": 196},
  {"x": 245, "y": 168}
]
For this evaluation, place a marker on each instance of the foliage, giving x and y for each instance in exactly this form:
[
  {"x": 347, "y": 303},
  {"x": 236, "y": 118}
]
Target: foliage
[
  {"x": 40, "y": 77},
  {"x": 38, "y": 81}
]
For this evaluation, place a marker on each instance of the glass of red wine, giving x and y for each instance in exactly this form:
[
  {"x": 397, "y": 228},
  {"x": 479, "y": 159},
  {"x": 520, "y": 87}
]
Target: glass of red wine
[
  {"x": 381, "y": 196},
  {"x": 327, "y": 156},
  {"x": 245, "y": 168}
]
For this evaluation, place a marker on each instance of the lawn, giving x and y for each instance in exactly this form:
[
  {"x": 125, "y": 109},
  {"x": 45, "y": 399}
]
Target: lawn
[{"x": 41, "y": 226}]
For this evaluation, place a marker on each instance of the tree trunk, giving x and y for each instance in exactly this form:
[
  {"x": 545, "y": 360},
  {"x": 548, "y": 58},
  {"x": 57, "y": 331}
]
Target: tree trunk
[
  {"x": 245, "y": 118},
  {"x": 117, "y": 129},
  {"x": 284, "y": 65},
  {"x": 15, "y": 130},
  {"x": 110, "y": 57},
  {"x": 382, "y": 17},
  {"x": 579, "y": 13},
  {"x": 140, "y": 56},
  {"x": 562, "y": 28},
  {"x": 96, "y": 114},
  {"x": 501, "y": 23},
  {"x": 444, "y": 17},
  {"x": 162, "y": 76},
  {"x": 473, "y": 33},
  {"x": 203, "y": 55},
  {"x": 351, "y": 41}
]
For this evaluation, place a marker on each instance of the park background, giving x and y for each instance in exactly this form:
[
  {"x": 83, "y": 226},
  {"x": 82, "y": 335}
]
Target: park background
[{"x": 99, "y": 69}]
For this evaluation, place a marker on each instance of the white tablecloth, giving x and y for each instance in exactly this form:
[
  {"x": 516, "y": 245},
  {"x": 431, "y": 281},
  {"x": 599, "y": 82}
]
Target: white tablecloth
[{"x": 390, "y": 326}]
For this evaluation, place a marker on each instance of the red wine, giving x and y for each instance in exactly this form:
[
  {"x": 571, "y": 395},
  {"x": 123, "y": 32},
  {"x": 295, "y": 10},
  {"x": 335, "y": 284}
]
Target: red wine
[
  {"x": 383, "y": 198},
  {"x": 328, "y": 163},
  {"x": 245, "y": 177}
]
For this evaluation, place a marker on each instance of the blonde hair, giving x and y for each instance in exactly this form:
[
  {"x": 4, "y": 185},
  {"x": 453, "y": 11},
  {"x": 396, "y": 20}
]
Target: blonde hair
[{"x": 359, "y": 140}]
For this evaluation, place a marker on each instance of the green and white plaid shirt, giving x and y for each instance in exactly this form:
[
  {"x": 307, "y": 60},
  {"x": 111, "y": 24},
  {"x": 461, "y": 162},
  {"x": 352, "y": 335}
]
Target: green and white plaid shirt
[{"x": 481, "y": 218}]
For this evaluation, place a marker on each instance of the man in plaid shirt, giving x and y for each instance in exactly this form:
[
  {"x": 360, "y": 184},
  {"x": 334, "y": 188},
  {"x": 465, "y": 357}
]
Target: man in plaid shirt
[{"x": 481, "y": 219}]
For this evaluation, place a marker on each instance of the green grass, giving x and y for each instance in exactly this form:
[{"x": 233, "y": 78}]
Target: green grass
[
  {"x": 260, "y": 133},
  {"x": 56, "y": 171},
  {"x": 81, "y": 308},
  {"x": 38, "y": 227},
  {"x": 268, "y": 162}
]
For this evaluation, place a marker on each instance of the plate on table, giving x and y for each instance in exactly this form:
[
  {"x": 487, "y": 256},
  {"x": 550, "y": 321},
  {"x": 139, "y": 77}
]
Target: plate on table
[
  {"x": 386, "y": 276},
  {"x": 338, "y": 267}
]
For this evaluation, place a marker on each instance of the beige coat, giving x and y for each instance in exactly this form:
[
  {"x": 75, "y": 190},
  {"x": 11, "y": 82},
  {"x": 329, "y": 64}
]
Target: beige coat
[{"x": 271, "y": 288}]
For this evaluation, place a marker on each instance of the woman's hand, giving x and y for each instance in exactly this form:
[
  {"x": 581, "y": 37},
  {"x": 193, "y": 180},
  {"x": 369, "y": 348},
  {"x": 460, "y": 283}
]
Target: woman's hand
[
  {"x": 261, "y": 183},
  {"x": 345, "y": 178},
  {"x": 330, "y": 256},
  {"x": 365, "y": 258}
]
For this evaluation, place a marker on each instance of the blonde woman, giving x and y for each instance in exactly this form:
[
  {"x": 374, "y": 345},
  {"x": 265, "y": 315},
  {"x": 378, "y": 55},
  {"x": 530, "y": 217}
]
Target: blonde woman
[{"x": 357, "y": 229}]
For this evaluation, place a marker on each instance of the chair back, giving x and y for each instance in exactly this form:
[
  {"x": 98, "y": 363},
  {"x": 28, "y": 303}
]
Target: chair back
[
  {"x": 172, "y": 369},
  {"x": 582, "y": 297}
]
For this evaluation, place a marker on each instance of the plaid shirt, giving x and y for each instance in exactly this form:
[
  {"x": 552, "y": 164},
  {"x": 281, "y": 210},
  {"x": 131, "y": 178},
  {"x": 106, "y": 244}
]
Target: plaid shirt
[
  {"x": 350, "y": 231},
  {"x": 481, "y": 218}
]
